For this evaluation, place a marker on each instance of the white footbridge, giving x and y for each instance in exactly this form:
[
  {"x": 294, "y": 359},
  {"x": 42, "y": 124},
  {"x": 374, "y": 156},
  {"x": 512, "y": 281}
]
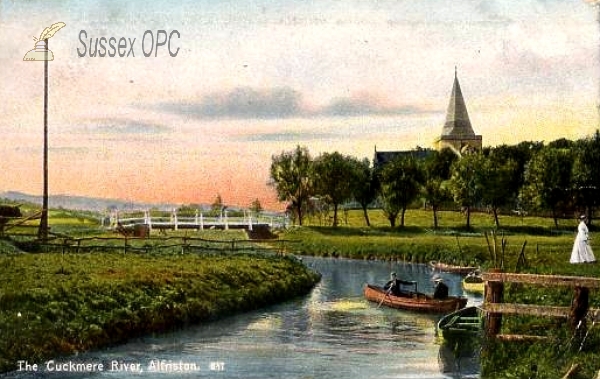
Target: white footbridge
[{"x": 161, "y": 220}]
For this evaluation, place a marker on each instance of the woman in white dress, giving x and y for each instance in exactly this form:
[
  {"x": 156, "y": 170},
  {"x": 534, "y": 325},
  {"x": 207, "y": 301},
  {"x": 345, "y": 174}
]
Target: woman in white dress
[{"x": 582, "y": 251}]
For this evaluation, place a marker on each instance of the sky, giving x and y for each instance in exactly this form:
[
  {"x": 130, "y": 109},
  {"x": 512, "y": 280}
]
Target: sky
[{"x": 240, "y": 81}]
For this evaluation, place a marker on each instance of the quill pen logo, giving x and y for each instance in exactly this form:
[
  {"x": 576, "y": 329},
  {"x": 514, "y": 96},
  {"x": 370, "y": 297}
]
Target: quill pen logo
[{"x": 41, "y": 52}]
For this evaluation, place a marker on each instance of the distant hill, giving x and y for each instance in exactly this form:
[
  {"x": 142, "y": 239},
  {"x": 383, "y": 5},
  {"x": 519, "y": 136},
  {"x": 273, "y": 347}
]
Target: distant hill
[{"x": 82, "y": 202}]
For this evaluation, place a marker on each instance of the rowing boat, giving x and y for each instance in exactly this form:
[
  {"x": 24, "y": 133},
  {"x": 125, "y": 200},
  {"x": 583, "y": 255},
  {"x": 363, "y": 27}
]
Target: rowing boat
[
  {"x": 461, "y": 270},
  {"x": 461, "y": 323},
  {"x": 473, "y": 284},
  {"x": 414, "y": 301}
]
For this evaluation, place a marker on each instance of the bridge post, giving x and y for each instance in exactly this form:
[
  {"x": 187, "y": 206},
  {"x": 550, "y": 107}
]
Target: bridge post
[
  {"x": 175, "y": 222},
  {"x": 226, "y": 221},
  {"x": 493, "y": 293},
  {"x": 250, "y": 222},
  {"x": 196, "y": 221},
  {"x": 201, "y": 221},
  {"x": 148, "y": 219}
]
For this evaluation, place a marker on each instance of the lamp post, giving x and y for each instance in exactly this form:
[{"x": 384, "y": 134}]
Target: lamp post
[{"x": 42, "y": 53}]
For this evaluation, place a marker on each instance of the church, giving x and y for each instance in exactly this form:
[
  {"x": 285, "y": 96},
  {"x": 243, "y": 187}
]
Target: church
[{"x": 457, "y": 133}]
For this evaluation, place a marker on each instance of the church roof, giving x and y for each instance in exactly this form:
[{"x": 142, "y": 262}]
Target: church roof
[
  {"x": 383, "y": 157},
  {"x": 457, "y": 119}
]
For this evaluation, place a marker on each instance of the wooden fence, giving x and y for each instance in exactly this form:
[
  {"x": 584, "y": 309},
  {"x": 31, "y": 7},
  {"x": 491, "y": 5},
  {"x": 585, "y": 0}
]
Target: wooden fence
[
  {"x": 495, "y": 307},
  {"x": 128, "y": 244}
]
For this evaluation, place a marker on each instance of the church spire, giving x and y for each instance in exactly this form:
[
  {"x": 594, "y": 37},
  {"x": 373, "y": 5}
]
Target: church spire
[
  {"x": 457, "y": 118},
  {"x": 457, "y": 133}
]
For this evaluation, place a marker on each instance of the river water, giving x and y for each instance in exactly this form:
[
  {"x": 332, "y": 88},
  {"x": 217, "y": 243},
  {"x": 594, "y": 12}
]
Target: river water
[{"x": 330, "y": 333}]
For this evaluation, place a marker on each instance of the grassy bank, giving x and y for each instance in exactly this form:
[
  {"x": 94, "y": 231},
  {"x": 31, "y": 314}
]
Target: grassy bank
[{"x": 53, "y": 304}]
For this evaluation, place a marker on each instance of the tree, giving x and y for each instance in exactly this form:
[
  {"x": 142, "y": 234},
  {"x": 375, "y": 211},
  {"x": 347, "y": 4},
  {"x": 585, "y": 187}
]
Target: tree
[
  {"x": 586, "y": 173},
  {"x": 364, "y": 188},
  {"x": 548, "y": 180},
  {"x": 400, "y": 184},
  {"x": 437, "y": 172},
  {"x": 256, "y": 206},
  {"x": 291, "y": 176},
  {"x": 217, "y": 206},
  {"x": 333, "y": 178},
  {"x": 463, "y": 184},
  {"x": 495, "y": 179}
]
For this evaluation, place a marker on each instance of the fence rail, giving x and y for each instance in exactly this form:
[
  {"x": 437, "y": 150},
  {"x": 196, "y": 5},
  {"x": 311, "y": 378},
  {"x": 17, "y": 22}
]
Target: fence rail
[{"x": 69, "y": 244}]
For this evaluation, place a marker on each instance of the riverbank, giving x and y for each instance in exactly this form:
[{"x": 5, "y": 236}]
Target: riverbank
[
  {"x": 55, "y": 305},
  {"x": 546, "y": 250}
]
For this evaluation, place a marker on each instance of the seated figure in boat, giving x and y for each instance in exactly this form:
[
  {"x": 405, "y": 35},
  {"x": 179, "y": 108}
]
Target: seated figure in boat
[
  {"x": 393, "y": 285},
  {"x": 441, "y": 289}
]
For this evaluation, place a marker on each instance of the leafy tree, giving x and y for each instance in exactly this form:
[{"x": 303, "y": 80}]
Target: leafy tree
[
  {"x": 334, "y": 178},
  {"x": 437, "y": 172},
  {"x": 291, "y": 174},
  {"x": 364, "y": 187},
  {"x": 495, "y": 179},
  {"x": 548, "y": 180},
  {"x": 463, "y": 183},
  {"x": 256, "y": 206},
  {"x": 400, "y": 184},
  {"x": 586, "y": 173},
  {"x": 217, "y": 206}
]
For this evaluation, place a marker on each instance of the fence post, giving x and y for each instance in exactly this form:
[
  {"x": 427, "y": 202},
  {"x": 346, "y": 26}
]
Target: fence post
[
  {"x": 494, "y": 293},
  {"x": 226, "y": 221},
  {"x": 125, "y": 246},
  {"x": 250, "y": 222},
  {"x": 579, "y": 307},
  {"x": 201, "y": 221}
]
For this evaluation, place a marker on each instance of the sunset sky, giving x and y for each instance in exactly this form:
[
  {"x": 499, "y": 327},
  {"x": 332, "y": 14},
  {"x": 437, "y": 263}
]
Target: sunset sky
[{"x": 254, "y": 78}]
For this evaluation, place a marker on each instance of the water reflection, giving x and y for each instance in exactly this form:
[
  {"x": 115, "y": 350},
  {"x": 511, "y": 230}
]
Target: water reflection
[{"x": 331, "y": 333}]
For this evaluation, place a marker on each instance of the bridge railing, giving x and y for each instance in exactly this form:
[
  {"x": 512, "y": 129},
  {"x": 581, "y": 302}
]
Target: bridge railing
[{"x": 173, "y": 220}]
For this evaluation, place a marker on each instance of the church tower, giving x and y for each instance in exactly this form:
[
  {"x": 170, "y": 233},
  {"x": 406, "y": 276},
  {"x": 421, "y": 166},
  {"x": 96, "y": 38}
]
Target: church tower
[{"x": 457, "y": 133}]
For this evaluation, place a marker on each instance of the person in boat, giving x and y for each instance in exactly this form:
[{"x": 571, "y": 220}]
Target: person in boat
[
  {"x": 393, "y": 286},
  {"x": 441, "y": 289}
]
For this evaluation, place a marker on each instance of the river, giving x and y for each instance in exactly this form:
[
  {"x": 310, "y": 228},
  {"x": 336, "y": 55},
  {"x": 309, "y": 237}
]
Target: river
[{"x": 330, "y": 333}]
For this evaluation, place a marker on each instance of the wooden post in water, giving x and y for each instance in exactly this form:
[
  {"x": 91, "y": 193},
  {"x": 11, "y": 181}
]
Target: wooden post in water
[
  {"x": 494, "y": 293},
  {"x": 579, "y": 307}
]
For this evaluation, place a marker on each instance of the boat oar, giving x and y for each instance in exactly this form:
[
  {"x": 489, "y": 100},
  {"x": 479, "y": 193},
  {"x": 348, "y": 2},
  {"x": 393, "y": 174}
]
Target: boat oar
[{"x": 383, "y": 298}]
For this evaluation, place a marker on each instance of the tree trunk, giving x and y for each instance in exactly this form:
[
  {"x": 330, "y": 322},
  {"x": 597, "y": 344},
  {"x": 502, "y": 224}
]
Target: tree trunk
[
  {"x": 299, "y": 212},
  {"x": 402, "y": 217},
  {"x": 496, "y": 221},
  {"x": 366, "y": 214},
  {"x": 392, "y": 221},
  {"x": 435, "y": 217},
  {"x": 335, "y": 217},
  {"x": 468, "y": 217}
]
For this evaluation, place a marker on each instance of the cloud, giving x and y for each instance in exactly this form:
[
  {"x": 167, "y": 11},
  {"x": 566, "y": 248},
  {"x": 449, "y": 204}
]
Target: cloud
[
  {"x": 281, "y": 102},
  {"x": 244, "y": 103},
  {"x": 363, "y": 107},
  {"x": 125, "y": 126},
  {"x": 287, "y": 136}
]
